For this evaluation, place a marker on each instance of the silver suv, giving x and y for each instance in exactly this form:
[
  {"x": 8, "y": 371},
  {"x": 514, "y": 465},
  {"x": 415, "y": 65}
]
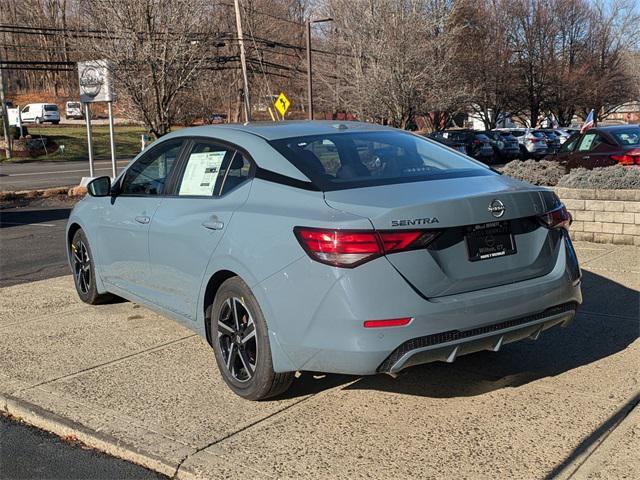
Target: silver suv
[{"x": 532, "y": 143}]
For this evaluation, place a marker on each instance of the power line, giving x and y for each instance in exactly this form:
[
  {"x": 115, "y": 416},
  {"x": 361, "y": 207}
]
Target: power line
[{"x": 266, "y": 14}]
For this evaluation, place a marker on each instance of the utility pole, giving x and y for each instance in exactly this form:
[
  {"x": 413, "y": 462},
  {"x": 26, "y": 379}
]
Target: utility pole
[
  {"x": 243, "y": 61},
  {"x": 5, "y": 117},
  {"x": 309, "y": 77},
  {"x": 309, "y": 80}
]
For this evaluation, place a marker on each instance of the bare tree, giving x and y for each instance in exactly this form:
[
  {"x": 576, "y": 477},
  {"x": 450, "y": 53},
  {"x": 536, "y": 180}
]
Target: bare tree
[
  {"x": 486, "y": 59},
  {"x": 395, "y": 58},
  {"x": 156, "y": 47}
]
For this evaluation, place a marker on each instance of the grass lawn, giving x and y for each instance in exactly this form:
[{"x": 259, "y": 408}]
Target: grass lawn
[{"x": 74, "y": 139}]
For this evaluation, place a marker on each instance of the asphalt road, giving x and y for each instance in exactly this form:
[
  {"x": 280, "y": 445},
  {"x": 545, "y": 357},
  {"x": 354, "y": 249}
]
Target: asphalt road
[
  {"x": 29, "y": 453},
  {"x": 39, "y": 175},
  {"x": 32, "y": 244}
]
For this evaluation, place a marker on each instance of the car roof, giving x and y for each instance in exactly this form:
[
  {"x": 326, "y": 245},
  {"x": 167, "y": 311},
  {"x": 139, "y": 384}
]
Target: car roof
[
  {"x": 286, "y": 129},
  {"x": 613, "y": 128}
]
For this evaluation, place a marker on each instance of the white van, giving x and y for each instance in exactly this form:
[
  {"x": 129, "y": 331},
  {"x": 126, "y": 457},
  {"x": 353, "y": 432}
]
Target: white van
[
  {"x": 40, "y": 113},
  {"x": 73, "y": 110}
]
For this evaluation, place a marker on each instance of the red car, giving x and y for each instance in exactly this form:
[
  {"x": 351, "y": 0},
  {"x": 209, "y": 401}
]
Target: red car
[{"x": 602, "y": 147}]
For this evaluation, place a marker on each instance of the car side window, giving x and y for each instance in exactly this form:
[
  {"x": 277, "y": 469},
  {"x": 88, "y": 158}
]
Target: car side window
[
  {"x": 149, "y": 174},
  {"x": 590, "y": 142},
  {"x": 571, "y": 143},
  {"x": 238, "y": 172},
  {"x": 204, "y": 171}
]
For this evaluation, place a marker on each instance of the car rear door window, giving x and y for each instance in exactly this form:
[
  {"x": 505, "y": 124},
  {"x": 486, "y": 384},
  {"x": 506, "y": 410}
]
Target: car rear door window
[
  {"x": 204, "y": 170},
  {"x": 148, "y": 175},
  {"x": 590, "y": 142},
  {"x": 238, "y": 172}
]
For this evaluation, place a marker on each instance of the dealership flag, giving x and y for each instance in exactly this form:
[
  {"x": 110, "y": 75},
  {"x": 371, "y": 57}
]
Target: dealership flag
[{"x": 588, "y": 123}]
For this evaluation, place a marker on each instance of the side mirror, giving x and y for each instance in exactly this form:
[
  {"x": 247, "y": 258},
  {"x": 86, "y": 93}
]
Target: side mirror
[{"x": 99, "y": 187}]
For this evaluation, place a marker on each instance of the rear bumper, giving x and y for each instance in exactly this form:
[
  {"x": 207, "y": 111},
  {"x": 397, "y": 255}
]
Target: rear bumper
[
  {"x": 316, "y": 314},
  {"x": 447, "y": 346}
]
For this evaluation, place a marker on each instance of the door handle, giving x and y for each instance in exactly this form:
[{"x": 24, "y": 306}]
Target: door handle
[
  {"x": 213, "y": 223},
  {"x": 142, "y": 219},
  {"x": 586, "y": 157}
]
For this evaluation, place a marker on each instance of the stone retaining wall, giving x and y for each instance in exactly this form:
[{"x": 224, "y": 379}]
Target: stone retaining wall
[{"x": 603, "y": 216}]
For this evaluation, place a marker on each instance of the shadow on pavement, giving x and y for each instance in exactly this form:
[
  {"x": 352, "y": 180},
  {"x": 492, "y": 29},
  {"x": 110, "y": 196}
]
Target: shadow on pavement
[
  {"x": 15, "y": 218},
  {"x": 589, "y": 338}
]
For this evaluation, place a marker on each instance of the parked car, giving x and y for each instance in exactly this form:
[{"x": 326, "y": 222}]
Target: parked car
[
  {"x": 532, "y": 144},
  {"x": 505, "y": 146},
  {"x": 73, "y": 110},
  {"x": 602, "y": 147},
  {"x": 40, "y": 113},
  {"x": 440, "y": 138},
  {"x": 335, "y": 247},
  {"x": 553, "y": 141},
  {"x": 476, "y": 144},
  {"x": 563, "y": 135}
]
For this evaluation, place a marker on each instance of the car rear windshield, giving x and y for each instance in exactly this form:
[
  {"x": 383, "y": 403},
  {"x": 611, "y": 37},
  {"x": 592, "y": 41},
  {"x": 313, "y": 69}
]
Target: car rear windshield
[
  {"x": 50, "y": 108},
  {"x": 363, "y": 159},
  {"x": 627, "y": 137},
  {"x": 73, "y": 105}
]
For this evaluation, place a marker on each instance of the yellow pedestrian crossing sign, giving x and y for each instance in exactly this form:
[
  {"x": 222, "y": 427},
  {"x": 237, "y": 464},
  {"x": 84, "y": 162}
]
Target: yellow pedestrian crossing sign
[{"x": 282, "y": 104}]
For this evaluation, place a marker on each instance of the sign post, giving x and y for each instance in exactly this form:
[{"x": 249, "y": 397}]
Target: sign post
[
  {"x": 113, "y": 141},
  {"x": 96, "y": 85},
  {"x": 5, "y": 119},
  {"x": 87, "y": 117}
]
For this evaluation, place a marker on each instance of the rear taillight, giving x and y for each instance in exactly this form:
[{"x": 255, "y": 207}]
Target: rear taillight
[
  {"x": 350, "y": 248},
  {"x": 557, "y": 218},
  {"x": 631, "y": 157},
  {"x": 477, "y": 142}
]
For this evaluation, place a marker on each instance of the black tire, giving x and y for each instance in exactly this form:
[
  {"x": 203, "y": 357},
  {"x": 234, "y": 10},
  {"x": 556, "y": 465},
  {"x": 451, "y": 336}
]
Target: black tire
[
  {"x": 83, "y": 270},
  {"x": 240, "y": 342},
  {"x": 55, "y": 122},
  {"x": 38, "y": 120}
]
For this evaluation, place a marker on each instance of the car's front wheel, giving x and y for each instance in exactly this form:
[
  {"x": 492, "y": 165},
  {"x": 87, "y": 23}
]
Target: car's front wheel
[
  {"x": 84, "y": 274},
  {"x": 239, "y": 337}
]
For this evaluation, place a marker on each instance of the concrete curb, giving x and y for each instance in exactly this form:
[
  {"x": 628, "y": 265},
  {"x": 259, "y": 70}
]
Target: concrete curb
[
  {"x": 23, "y": 198},
  {"x": 602, "y": 461},
  {"x": 37, "y": 416},
  {"x": 45, "y": 193},
  {"x": 592, "y": 459}
]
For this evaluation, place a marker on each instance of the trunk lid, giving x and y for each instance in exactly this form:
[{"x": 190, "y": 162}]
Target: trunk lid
[{"x": 455, "y": 206}]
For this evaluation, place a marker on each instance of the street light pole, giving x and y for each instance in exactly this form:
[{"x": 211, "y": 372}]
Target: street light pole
[{"x": 309, "y": 74}]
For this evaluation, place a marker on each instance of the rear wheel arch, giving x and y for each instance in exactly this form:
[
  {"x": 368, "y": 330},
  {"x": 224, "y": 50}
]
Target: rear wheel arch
[{"x": 213, "y": 285}]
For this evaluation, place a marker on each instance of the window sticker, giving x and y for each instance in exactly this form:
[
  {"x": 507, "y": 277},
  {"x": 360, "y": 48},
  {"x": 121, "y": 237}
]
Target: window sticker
[
  {"x": 587, "y": 141},
  {"x": 201, "y": 173}
]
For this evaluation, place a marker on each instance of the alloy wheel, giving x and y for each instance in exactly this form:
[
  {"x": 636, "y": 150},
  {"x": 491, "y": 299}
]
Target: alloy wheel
[
  {"x": 81, "y": 266},
  {"x": 237, "y": 339}
]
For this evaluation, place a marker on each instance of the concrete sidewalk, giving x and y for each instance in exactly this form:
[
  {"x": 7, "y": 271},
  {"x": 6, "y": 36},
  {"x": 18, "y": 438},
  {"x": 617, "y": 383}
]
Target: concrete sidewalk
[{"x": 136, "y": 385}]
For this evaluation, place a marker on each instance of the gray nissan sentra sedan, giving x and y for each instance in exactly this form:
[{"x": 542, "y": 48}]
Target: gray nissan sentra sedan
[{"x": 335, "y": 247}]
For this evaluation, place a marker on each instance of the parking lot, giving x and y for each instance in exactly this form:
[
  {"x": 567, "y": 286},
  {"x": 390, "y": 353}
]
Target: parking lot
[{"x": 136, "y": 385}]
